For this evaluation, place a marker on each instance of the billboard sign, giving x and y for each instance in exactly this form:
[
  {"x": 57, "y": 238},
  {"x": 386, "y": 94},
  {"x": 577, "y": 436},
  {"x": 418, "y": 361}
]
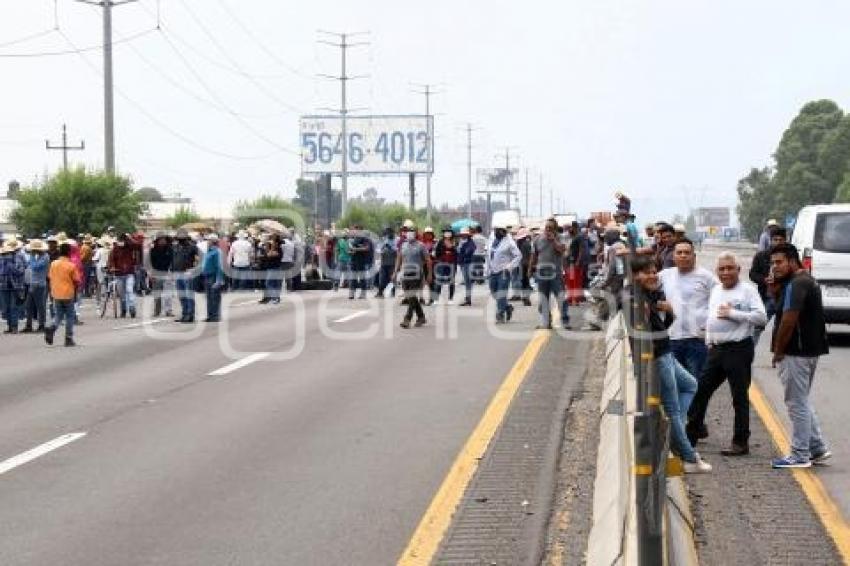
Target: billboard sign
[
  {"x": 377, "y": 145},
  {"x": 713, "y": 216},
  {"x": 496, "y": 177}
]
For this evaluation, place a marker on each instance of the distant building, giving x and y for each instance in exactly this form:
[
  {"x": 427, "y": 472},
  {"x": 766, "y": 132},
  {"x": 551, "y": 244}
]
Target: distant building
[
  {"x": 157, "y": 213},
  {"x": 7, "y": 206}
]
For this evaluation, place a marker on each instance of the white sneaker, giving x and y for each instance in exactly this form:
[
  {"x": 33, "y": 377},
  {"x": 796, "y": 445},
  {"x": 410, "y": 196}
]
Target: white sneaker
[{"x": 698, "y": 467}]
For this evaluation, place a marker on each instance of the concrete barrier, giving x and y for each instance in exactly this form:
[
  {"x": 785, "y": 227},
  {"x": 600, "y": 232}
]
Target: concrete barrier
[{"x": 613, "y": 537}]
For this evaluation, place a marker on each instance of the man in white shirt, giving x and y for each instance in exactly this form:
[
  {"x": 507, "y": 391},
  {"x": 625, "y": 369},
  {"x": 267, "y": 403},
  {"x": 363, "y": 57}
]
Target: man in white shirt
[
  {"x": 688, "y": 287},
  {"x": 504, "y": 257},
  {"x": 734, "y": 311},
  {"x": 240, "y": 257}
]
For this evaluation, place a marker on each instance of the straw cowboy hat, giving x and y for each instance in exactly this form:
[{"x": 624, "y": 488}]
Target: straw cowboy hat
[
  {"x": 9, "y": 246},
  {"x": 37, "y": 246}
]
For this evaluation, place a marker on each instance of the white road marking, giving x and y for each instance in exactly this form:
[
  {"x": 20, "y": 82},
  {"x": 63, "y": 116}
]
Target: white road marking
[
  {"x": 247, "y": 360},
  {"x": 141, "y": 324},
  {"x": 38, "y": 451},
  {"x": 352, "y": 316},
  {"x": 245, "y": 303}
]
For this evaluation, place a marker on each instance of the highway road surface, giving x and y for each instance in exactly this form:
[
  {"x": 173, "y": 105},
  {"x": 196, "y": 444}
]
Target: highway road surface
[{"x": 314, "y": 432}]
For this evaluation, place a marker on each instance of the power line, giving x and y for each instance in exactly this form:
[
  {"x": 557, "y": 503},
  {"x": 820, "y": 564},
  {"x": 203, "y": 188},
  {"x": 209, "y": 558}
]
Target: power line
[
  {"x": 78, "y": 50},
  {"x": 165, "y": 127},
  {"x": 224, "y": 106},
  {"x": 272, "y": 55},
  {"x": 27, "y": 38},
  {"x": 182, "y": 87},
  {"x": 265, "y": 90}
]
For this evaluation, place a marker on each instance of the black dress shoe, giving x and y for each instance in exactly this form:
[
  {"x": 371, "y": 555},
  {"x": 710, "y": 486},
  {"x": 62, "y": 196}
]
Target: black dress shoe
[{"x": 736, "y": 450}]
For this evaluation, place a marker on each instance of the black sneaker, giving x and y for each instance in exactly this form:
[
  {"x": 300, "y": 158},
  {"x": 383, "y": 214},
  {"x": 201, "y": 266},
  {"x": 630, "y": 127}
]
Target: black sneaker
[
  {"x": 48, "y": 335},
  {"x": 27, "y": 330},
  {"x": 420, "y": 322},
  {"x": 405, "y": 323},
  {"x": 132, "y": 313},
  {"x": 509, "y": 314},
  {"x": 821, "y": 459},
  {"x": 69, "y": 342}
]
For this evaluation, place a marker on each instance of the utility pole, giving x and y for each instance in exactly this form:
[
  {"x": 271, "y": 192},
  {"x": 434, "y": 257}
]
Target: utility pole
[
  {"x": 469, "y": 169},
  {"x": 428, "y": 91},
  {"x": 541, "y": 195},
  {"x": 490, "y": 194},
  {"x": 108, "y": 89},
  {"x": 526, "y": 192},
  {"x": 412, "y": 187},
  {"x": 65, "y": 147},
  {"x": 508, "y": 176},
  {"x": 343, "y": 78}
]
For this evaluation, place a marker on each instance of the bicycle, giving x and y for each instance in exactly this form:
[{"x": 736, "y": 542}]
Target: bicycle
[{"x": 111, "y": 293}]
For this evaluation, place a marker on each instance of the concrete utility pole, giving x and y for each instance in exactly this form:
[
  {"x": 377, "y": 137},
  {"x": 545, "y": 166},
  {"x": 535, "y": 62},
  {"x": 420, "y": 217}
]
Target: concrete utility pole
[
  {"x": 108, "y": 89},
  {"x": 469, "y": 169},
  {"x": 343, "y": 78},
  {"x": 527, "y": 213},
  {"x": 490, "y": 194},
  {"x": 508, "y": 176},
  {"x": 541, "y": 195},
  {"x": 65, "y": 148},
  {"x": 428, "y": 91}
]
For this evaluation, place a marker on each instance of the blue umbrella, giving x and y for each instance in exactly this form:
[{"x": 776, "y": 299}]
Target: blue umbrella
[{"x": 459, "y": 225}]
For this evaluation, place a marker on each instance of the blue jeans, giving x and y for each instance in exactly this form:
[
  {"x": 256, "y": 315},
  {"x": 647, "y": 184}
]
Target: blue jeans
[
  {"x": 36, "y": 305},
  {"x": 551, "y": 289},
  {"x": 213, "y": 292},
  {"x": 466, "y": 271},
  {"x": 127, "y": 284},
  {"x": 499, "y": 284},
  {"x": 65, "y": 310},
  {"x": 274, "y": 283},
  {"x": 692, "y": 354},
  {"x": 186, "y": 294},
  {"x": 9, "y": 307},
  {"x": 678, "y": 388}
]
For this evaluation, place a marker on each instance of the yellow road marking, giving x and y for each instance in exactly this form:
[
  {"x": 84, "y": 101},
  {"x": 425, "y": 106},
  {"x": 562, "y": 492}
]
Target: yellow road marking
[
  {"x": 428, "y": 535},
  {"x": 827, "y": 511}
]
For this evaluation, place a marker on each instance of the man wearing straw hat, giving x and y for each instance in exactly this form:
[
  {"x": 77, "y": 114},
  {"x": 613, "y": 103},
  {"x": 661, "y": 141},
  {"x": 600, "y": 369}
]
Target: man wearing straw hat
[
  {"x": 36, "y": 300},
  {"x": 12, "y": 268}
]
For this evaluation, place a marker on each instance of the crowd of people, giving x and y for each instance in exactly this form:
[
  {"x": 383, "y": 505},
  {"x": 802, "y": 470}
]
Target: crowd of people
[{"x": 705, "y": 324}]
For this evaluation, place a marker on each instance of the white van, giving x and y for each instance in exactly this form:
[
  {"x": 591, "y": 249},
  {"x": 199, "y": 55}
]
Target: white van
[
  {"x": 506, "y": 218},
  {"x": 822, "y": 235}
]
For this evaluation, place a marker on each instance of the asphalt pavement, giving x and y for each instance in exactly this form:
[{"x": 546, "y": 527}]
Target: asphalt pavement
[{"x": 314, "y": 432}]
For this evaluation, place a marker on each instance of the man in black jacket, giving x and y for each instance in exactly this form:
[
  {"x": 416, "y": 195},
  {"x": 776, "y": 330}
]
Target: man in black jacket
[
  {"x": 161, "y": 259},
  {"x": 760, "y": 274}
]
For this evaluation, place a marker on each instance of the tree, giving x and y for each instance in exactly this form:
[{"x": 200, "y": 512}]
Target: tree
[
  {"x": 149, "y": 194},
  {"x": 77, "y": 201},
  {"x": 329, "y": 202},
  {"x": 271, "y": 207},
  {"x": 756, "y": 201},
  {"x": 13, "y": 190},
  {"x": 377, "y": 217},
  {"x": 843, "y": 192},
  {"x": 183, "y": 215},
  {"x": 812, "y": 161}
]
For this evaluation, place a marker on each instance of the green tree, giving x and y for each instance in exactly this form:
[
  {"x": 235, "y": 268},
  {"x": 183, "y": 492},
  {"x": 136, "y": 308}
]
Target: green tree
[
  {"x": 271, "y": 207},
  {"x": 377, "y": 216},
  {"x": 183, "y": 215},
  {"x": 812, "y": 160},
  {"x": 756, "y": 201},
  {"x": 78, "y": 201},
  {"x": 843, "y": 193},
  {"x": 329, "y": 202},
  {"x": 149, "y": 194}
]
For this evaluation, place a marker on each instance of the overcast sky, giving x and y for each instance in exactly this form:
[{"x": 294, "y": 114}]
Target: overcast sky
[{"x": 671, "y": 101}]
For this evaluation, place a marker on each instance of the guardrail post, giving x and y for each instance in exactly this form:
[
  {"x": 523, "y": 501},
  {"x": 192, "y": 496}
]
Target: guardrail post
[{"x": 650, "y": 433}]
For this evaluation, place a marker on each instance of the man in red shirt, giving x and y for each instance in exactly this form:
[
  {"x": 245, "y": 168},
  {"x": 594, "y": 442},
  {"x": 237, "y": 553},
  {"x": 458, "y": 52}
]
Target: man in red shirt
[{"x": 123, "y": 261}]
